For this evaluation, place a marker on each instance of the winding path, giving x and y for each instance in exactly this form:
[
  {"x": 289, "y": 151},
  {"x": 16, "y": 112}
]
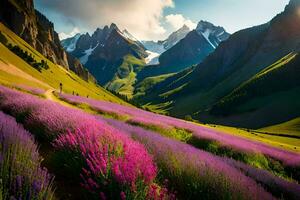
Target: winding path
[{"x": 49, "y": 94}]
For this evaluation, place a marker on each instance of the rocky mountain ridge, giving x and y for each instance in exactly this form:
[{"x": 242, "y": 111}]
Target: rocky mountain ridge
[{"x": 38, "y": 31}]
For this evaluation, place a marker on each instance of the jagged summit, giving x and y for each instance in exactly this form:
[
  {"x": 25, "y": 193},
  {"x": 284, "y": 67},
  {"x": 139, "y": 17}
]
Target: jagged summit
[
  {"x": 102, "y": 52},
  {"x": 213, "y": 34},
  {"x": 176, "y": 36}
]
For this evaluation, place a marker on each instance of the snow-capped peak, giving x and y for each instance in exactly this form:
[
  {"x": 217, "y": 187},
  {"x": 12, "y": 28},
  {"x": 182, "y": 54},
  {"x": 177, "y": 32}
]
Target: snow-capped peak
[
  {"x": 213, "y": 34},
  {"x": 176, "y": 36}
]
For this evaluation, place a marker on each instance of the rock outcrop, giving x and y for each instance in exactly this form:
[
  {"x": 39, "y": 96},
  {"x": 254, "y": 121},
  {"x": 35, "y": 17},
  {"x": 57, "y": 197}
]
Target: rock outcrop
[{"x": 32, "y": 26}]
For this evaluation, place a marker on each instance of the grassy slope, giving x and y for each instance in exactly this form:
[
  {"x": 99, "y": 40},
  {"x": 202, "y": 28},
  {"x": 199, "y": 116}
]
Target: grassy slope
[
  {"x": 270, "y": 97},
  {"x": 157, "y": 90},
  {"x": 148, "y": 83},
  {"x": 52, "y": 77},
  {"x": 291, "y": 127},
  {"x": 291, "y": 144},
  {"x": 124, "y": 80}
]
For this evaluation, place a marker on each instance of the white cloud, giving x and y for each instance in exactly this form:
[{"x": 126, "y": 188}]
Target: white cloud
[
  {"x": 63, "y": 35},
  {"x": 140, "y": 17},
  {"x": 178, "y": 20}
]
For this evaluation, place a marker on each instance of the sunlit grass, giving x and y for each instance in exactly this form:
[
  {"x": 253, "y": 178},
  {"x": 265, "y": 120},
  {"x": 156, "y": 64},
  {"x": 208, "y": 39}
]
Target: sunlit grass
[{"x": 290, "y": 144}]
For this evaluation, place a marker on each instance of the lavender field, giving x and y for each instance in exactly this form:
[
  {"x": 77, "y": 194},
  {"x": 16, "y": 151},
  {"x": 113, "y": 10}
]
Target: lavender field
[{"x": 121, "y": 152}]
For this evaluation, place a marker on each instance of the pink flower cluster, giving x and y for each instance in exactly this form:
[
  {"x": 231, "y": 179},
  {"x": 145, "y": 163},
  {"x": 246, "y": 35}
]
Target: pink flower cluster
[{"x": 110, "y": 156}]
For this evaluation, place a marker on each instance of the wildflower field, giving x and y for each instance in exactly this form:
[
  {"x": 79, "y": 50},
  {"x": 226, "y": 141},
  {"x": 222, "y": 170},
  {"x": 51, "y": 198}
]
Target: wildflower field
[{"x": 102, "y": 150}]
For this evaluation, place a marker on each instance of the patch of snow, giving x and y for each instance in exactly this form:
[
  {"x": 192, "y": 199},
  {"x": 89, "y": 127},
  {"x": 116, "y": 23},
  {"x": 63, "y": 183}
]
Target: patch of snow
[
  {"x": 220, "y": 34},
  {"x": 84, "y": 59},
  {"x": 152, "y": 58},
  {"x": 73, "y": 43},
  {"x": 206, "y": 34},
  {"x": 154, "y": 47}
]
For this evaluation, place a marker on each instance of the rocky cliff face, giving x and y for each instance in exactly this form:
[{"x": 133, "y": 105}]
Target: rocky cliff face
[
  {"x": 78, "y": 68},
  {"x": 47, "y": 41},
  {"x": 21, "y": 17}
]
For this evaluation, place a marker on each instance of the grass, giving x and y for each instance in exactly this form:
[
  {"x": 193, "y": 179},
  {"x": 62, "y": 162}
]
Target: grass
[
  {"x": 174, "y": 91},
  {"x": 91, "y": 110},
  {"x": 278, "y": 77},
  {"x": 290, "y": 144},
  {"x": 256, "y": 160},
  {"x": 290, "y": 128},
  {"x": 51, "y": 77}
]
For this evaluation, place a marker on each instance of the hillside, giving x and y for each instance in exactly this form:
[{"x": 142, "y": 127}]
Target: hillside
[
  {"x": 153, "y": 92},
  {"x": 15, "y": 70},
  {"x": 238, "y": 59},
  {"x": 253, "y": 103},
  {"x": 291, "y": 127}
]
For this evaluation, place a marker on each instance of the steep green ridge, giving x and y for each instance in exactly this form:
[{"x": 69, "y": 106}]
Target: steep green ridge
[
  {"x": 281, "y": 76},
  {"x": 125, "y": 78},
  {"x": 14, "y": 70},
  {"x": 147, "y": 84},
  {"x": 269, "y": 97},
  {"x": 157, "y": 93}
]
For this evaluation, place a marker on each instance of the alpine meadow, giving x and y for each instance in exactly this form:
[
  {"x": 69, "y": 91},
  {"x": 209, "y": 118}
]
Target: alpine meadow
[{"x": 149, "y": 100}]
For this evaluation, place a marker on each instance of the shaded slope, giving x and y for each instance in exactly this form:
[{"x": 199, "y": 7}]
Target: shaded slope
[{"x": 270, "y": 97}]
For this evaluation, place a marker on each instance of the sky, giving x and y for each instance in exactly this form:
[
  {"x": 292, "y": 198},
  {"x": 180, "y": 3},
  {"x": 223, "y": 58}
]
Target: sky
[{"x": 156, "y": 19}]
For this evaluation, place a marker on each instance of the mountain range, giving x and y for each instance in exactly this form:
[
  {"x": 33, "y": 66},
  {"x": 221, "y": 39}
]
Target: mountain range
[
  {"x": 119, "y": 61},
  {"x": 242, "y": 83},
  {"x": 205, "y": 74},
  {"x": 159, "y": 47},
  {"x": 192, "y": 49}
]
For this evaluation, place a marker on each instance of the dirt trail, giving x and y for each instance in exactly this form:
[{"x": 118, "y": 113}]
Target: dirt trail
[{"x": 49, "y": 94}]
